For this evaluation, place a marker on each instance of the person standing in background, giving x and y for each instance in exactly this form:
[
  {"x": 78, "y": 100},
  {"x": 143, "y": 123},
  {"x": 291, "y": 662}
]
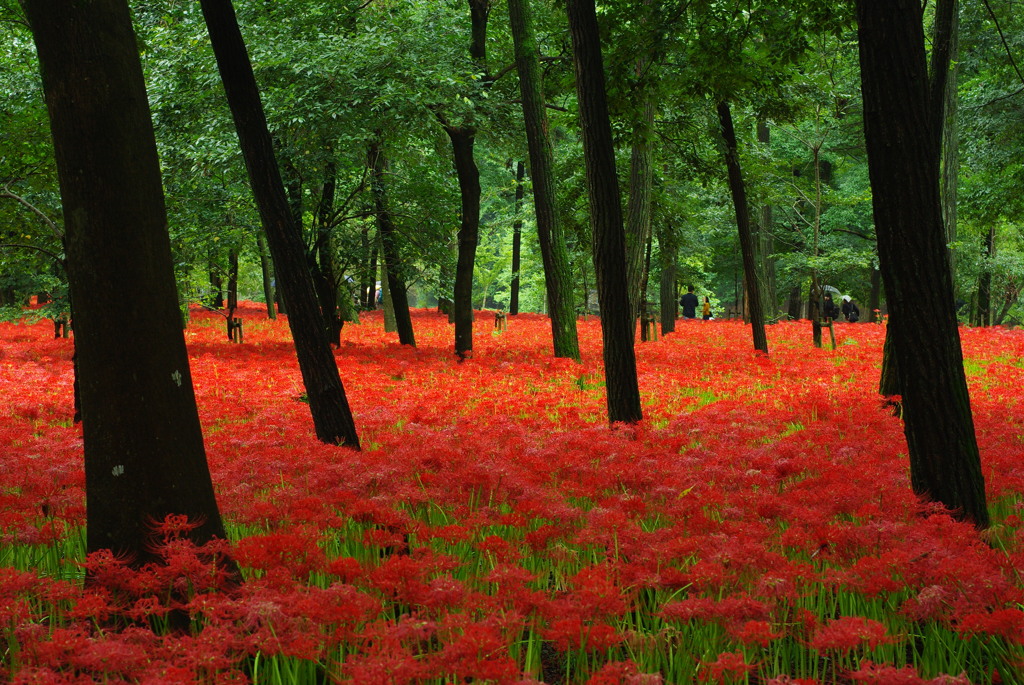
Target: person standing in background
[{"x": 689, "y": 303}]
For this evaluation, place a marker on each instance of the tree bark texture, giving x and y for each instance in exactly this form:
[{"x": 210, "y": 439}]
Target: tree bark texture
[
  {"x": 668, "y": 249},
  {"x": 326, "y": 272},
  {"x": 988, "y": 253},
  {"x": 943, "y": 79},
  {"x": 550, "y": 231},
  {"x": 266, "y": 270},
  {"x": 638, "y": 207},
  {"x": 144, "y": 453},
  {"x": 517, "y": 239},
  {"x": 391, "y": 256},
  {"x": 609, "y": 242},
  {"x": 903, "y": 164},
  {"x": 332, "y": 418},
  {"x": 765, "y": 242},
  {"x": 739, "y": 200},
  {"x": 469, "y": 232}
]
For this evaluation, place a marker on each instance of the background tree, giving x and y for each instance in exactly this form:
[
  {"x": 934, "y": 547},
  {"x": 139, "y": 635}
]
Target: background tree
[{"x": 549, "y": 225}]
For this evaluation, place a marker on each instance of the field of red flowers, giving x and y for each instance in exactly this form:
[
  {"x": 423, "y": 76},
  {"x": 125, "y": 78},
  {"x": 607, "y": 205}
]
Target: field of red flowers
[{"x": 757, "y": 527}]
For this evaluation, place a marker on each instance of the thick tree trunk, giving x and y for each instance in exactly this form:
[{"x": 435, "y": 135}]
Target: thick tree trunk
[
  {"x": 332, "y": 418},
  {"x": 266, "y": 270},
  {"x": 144, "y": 454},
  {"x": 739, "y": 200},
  {"x": 609, "y": 240},
  {"x": 390, "y": 254},
  {"x": 469, "y": 231},
  {"x": 550, "y": 232},
  {"x": 517, "y": 239},
  {"x": 668, "y": 248},
  {"x": 903, "y": 163}
]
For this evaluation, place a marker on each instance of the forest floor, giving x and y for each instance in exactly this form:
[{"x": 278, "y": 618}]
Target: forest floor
[{"x": 757, "y": 527}]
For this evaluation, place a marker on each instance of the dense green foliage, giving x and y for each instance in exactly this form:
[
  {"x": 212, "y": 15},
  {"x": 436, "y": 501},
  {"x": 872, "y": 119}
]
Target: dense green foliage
[{"x": 336, "y": 76}]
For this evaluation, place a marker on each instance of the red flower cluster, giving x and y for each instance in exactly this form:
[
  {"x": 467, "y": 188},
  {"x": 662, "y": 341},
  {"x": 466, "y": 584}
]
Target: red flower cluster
[{"x": 758, "y": 524}]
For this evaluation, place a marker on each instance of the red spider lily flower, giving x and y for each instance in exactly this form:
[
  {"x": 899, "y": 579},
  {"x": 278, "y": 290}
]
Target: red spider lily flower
[
  {"x": 728, "y": 665},
  {"x": 754, "y": 633},
  {"x": 1006, "y": 623},
  {"x": 850, "y": 632},
  {"x": 884, "y": 674},
  {"x": 623, "y": 673},
  {"x": 479, "y": 653},
  {"x": 572, "y": 633}
]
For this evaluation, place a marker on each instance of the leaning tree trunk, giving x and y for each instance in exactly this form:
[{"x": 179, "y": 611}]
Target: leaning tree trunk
[
  {"x": 391, "y": 260},
  {"x": 550, "y": 232},
  {"x": 332, "y": 418},
  {"x": 517, "y": 240},
  {"x": 144, "y": 454},
  {"x": 609, "y": 240},
  {"x": 739, "y": 200},
  {"x": 903, "y": 146}
]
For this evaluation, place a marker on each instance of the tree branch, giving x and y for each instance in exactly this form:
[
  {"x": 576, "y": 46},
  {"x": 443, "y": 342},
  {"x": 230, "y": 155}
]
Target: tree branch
[
  {"x": 25, "y": 246},
  {"x": 8, "y": 193}
]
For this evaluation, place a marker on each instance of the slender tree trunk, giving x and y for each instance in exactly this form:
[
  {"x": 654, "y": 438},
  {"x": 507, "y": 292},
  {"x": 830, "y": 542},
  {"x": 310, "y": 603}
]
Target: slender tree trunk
[
  {"x": 668, "y": 248},
  {"x": 985, "y": 279},
  {"x": 550, "y": 231},
  {"x": 903, "y": 146},
  {"x": 644, "y": 330},
  {"x": 947, "y": 38},
  {"x": 332, "y": 418},
  {"x": 371, "y": 291},
  {"x": 266, "y": 269},
  {"x": 469, "y": 231},
  {"x": 326, "y": 272},
  {"x": 517, "y": 240},
  {"x": 766, "y": 241},
  {"x": 216, "y": 282},
  {"x": 232, "y": 289},
  {"x": 814, "y": 297},
  {"x": 739, "y": 200},
  {"x": 390, "y": 322},
  {"x": 609, "y": 240},
  {"x": 638, "y": 208},
  {"x": 794, "y": 307},
  {"x": 875, "y": 298},
  {"x": 144, "y": 453},
  {"x": 390, "y": 255}
]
